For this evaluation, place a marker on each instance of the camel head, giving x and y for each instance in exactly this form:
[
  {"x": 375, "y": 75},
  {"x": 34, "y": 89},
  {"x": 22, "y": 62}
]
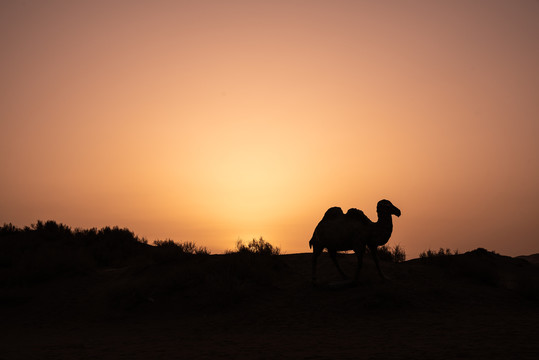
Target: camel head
[{"x": 386, "y": 207}]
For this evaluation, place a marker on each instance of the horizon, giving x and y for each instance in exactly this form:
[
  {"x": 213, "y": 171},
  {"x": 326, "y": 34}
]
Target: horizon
[
  {"x": 211, "y": 122},
  {"x": 154, "y": 242}
]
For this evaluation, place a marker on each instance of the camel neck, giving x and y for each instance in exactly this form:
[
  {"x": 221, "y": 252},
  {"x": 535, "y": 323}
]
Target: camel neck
[{"x": 385, "y": 226}]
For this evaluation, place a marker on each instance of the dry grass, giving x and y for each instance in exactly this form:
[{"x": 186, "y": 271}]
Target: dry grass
[{"x": 395, "y": 254}]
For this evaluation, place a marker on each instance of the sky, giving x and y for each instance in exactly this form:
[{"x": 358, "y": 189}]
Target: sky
[{"x": 213, "y": 121}]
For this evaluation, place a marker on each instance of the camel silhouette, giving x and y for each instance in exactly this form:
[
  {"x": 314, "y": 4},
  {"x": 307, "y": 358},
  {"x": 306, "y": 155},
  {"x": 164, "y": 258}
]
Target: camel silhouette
[{"x": 352, "y": 231}]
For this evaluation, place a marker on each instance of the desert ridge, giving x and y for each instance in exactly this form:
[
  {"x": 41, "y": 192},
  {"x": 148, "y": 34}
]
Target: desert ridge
[{"x": 256, "y": 304}]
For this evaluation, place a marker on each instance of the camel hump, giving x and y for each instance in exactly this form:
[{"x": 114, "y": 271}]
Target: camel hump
[
  {"x": 357, "y": 215},
  {"x": 333, "y": 213}
]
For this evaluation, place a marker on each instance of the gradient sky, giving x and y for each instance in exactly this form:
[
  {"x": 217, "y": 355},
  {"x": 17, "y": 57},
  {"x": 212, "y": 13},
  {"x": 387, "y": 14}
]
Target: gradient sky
[{"x": 209, "y": 121}]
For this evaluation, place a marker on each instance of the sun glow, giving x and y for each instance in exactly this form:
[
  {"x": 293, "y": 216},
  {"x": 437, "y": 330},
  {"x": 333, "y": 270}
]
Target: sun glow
[{"x": 208, "y": 123}]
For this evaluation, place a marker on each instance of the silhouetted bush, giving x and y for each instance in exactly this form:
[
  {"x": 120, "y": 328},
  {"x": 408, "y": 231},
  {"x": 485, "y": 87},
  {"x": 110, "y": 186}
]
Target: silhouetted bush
[
  {"x": 260, "y": 247},
  {"x": 168, "y": 250},
  {"x": 47, "y": 249},
  {"x": 442, "y": 257},
  {"x": 385, "y": 253},
  {"x": 440, "y": 253},
  {"x": 52, "y": 231},
  {"x": 113, "y": 246},
  {"x": 188, "y": 248},
  {"x": 9, "y": 229}
]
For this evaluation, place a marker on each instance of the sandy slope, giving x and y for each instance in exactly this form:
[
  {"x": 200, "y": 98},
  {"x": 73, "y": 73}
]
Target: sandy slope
[{"x": 474, "y": 306}]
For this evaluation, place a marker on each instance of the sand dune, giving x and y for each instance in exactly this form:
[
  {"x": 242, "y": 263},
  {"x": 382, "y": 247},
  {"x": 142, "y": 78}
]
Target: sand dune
[
  {"x": 474, "y": 305},
  {"x": 534, "y": 259}
]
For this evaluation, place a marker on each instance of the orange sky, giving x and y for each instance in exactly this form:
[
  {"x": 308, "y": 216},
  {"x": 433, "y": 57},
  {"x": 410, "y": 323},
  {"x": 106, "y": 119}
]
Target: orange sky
[{"x": 210, "y": 121}]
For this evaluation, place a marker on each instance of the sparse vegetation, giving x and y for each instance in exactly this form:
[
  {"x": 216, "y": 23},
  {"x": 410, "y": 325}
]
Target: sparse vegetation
[
  {"x": 132, "y": 275},
  {"x": 185, "y": 248},
  {"x": 49, "y": 249},
  {"x": 259, "y": 247},
  {"x": 395, "y": 254},
  {"x": 46, "y": 251},
  {"x": 433, "y": 254}
]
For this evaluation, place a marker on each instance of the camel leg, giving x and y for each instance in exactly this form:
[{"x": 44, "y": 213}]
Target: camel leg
[
  {"x": 359, "y": 254},
  {"x": 316, "y": 252},
  {"x": 333, "y": 255},
  {"x": 375, "y": 257}
]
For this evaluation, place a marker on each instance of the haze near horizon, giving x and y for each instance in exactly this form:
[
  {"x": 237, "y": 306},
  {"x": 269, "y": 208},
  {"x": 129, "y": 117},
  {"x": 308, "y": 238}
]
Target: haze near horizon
[{"x": 210, "y": 121}]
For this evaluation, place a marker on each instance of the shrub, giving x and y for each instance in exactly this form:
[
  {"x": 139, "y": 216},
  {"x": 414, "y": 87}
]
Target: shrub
[
  {"x": 112, "y": 246},
  {"x": 399, "y": 255},
  {"x": 385, "y": 253},
  {"x": 48, "y": 249},
  {"x": 259, "y": 247},
  {"x": 434, "y": 254},
  {"x": 9, "y": 229},
  {"x": 186, "y": 248}
]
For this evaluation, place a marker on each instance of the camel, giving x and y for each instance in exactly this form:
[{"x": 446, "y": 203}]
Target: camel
[{"x": 352, "y": 231}]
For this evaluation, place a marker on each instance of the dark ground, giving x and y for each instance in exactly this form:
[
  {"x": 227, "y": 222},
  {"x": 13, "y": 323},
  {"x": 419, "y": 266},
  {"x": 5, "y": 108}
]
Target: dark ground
[{"x": 476, "y": 305}]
